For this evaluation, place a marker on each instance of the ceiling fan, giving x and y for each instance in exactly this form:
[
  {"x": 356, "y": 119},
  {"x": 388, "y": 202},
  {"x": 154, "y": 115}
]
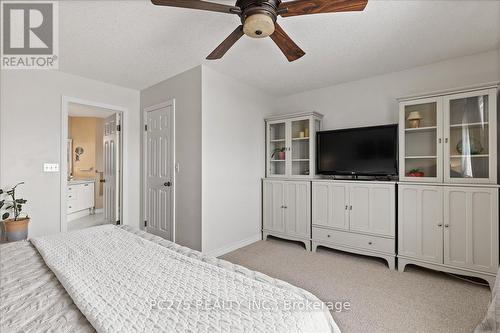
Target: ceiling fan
[{"x": 259, "y": 19}]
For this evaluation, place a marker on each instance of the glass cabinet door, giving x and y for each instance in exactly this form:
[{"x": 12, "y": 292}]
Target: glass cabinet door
[
  {"x": 277, "y": 148},
  {"x": 420, "y": 140},
  {"x": 469, "y": 142},
  {"x": 300, "y": 147}
]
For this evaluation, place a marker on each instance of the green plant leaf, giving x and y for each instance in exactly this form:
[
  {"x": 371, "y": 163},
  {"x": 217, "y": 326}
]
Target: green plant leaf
[{"x": 5, "y": 216}]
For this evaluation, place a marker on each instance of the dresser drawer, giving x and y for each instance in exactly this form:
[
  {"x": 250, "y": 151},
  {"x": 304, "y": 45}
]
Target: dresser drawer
[
  {"x": 72, "y": 206},
  {"x": 354, "y": 240}
]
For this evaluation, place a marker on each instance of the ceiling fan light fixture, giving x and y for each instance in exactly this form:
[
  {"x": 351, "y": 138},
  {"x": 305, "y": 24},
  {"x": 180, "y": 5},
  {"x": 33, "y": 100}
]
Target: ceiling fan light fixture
[{"x": 258, "y": 26}]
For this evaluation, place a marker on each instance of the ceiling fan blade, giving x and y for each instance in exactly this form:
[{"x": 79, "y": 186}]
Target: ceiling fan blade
[
  {"x": 304, "y": 7},
  {"x": 226, "y": 44},
  {"x": 197, "y": 4},
  {"x": 291, "y": 51}
]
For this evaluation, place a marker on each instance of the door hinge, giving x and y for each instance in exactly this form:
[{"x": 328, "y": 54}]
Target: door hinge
[
  {"x": 145, "y": 223},
  {"x": 145, "y": 127},
  {"x": 118, "y": 128}
]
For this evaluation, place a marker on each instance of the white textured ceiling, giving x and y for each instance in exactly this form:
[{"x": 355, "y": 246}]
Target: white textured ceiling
[{"x": 136, "y": 44}]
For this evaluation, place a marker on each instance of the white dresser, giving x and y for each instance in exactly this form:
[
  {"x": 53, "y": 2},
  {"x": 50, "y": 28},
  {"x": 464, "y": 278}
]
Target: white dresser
[
  {"x": 80, "y": 200},
  {"x": 355, "y": 216}
]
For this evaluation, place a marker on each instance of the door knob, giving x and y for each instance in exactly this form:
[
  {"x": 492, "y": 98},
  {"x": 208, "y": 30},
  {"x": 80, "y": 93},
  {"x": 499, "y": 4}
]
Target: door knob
[{"x": 168, "y": 184}]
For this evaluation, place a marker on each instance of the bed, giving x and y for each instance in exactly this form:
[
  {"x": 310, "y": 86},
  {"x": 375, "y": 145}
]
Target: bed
[{"x": 119, "y": 279}]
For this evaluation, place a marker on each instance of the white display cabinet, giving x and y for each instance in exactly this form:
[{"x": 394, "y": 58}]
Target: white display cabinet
[
  {"x": 290, "y": 144},
  {"x": 450, "y": 138}
]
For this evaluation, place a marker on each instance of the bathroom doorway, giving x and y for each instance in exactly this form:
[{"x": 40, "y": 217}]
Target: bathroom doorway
[{"x": 92, "y": 194}]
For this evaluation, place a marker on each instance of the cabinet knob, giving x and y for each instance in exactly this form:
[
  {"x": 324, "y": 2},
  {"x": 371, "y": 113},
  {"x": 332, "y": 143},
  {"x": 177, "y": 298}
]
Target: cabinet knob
[
  {"x": 285, "y": 207},
  {"x": 328, "y": 236},
  {"x": 168, "y": 184},
  {"x": 350, "y": 207},
  {"x": 446, "y": 225},
  {"x": 346, "y": 207},
  {"x": 370, "y": 243},
  {"x": 440, "y": 224}
]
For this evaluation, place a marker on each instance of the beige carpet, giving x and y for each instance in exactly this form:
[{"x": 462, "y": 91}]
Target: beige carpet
[{"x": 417, "y": 300}]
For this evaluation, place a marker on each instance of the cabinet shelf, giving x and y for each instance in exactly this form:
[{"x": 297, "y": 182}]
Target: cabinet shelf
[
  {"x": 421, "y": 129},
  {"x": 479, "y": 155},
  {"x": 300, "y": 139},
  {"x": 277, "y": 161},
  {"x": 300, "y": 160},
  {"x": 277, "y": 140},
  {"x": 421, "y": 157},
  {"x": 469, "y": 125}
]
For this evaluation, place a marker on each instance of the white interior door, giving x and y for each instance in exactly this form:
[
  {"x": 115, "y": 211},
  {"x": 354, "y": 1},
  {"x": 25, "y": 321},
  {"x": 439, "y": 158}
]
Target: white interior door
[
  {"x": 111, "y": 151},
  {"x": 159, "y": 198}
]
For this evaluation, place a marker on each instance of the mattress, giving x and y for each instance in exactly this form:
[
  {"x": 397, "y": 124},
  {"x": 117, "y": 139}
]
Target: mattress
[{"x": 32, "y": 299}]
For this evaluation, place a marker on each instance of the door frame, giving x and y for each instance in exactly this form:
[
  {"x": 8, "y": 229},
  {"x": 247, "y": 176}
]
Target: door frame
[
  {"x": 145, "y": 110},
  {"x": 65, "y": 102}
]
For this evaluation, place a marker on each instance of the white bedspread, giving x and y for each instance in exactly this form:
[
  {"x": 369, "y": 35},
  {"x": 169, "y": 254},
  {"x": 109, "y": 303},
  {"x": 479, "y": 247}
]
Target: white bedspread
[{"x": 124, "y": 283}]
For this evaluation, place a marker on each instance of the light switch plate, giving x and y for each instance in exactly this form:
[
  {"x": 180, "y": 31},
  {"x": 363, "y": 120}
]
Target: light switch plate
[{"x": 50, "y": 167}]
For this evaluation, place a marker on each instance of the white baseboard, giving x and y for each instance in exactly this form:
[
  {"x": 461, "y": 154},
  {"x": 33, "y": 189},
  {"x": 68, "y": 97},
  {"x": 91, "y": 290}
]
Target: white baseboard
[{"x": 234, "y": 246}]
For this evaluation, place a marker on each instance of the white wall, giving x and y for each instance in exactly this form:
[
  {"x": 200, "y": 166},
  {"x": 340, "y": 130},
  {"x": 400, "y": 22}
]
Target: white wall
[
  {"x": 185, "y": 88},
  {"x": 372, "y": 101},
  {"x": 30, "y": 126},
  {"x": 233, "y": 161}
]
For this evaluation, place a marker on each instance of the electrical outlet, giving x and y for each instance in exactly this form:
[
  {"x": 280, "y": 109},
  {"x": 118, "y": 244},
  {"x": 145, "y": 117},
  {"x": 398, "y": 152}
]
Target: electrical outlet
[{"x": 50, "y": 167}]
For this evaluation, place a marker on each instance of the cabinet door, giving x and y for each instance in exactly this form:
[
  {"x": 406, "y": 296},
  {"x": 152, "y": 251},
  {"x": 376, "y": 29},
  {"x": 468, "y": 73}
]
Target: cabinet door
[
  {"x": 277, "y": 151},
  {"x": 87, "y": 195},
  {"x": 420, "y": 140},
  {"x": 420, "y": 223},
  {"x": 372, "y": 208},
  {"x": 330, "y": 205},
  {"x": 297, "y": 209},
  {"x": 273, "y": 205},
  {"x": 470, "y": 137},
  {"x": 471, "y": 228},
  {"x": 300, "y": 146}
]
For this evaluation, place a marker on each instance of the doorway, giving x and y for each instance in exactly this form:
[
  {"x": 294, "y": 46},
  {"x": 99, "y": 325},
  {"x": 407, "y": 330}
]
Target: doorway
[
  {"x": 159, "y": 170},
  {"x": 91, "y": 164}
]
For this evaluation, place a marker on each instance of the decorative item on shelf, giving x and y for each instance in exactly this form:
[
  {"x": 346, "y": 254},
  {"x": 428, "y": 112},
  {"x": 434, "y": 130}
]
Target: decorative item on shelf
[
  {"x": 474, "y": 148},
  {"x": 414, "y": 119},
  {"x": 306, "y": 132},
  {"x": 280, "y": 152},
  {"x": 301, "y": 135},
  {"x": 15, "y": 227},
  {"x": 415, "y": 173},
  {"x": 78, "y": 151}
]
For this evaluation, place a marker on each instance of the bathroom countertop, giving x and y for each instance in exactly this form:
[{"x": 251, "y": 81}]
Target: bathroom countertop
[{"x": 80, "y": 181}]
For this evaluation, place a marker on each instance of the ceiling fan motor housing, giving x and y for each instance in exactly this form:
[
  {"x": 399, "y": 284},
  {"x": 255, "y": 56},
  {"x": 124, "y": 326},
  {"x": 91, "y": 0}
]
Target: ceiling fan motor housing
[{"x": 258, "y": 17}]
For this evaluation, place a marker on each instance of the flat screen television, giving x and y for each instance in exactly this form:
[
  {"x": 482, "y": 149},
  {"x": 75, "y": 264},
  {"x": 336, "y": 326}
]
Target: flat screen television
[{"x": 364, "y": 151}]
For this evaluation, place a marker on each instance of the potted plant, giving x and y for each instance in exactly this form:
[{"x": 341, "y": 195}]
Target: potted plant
[
  {"x": 15, "y": 225},
  {"x": 280, "y": 152},
  {"x": 415, "y": 173}
]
